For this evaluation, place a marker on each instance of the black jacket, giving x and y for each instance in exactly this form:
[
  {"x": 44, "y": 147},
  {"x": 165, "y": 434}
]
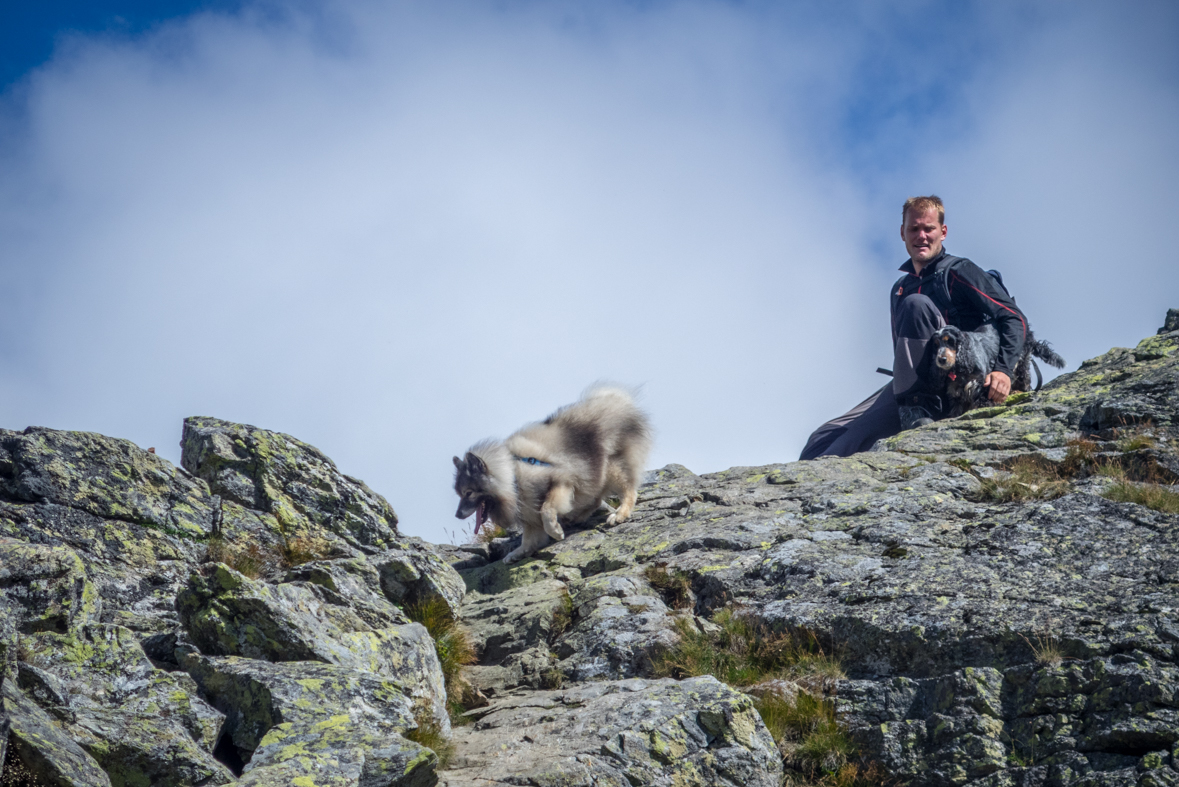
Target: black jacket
[{"x": 967, "y": 297}]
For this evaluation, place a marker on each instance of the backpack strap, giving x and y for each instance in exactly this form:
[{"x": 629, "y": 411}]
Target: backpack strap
[{"x": 940, "y": 292}]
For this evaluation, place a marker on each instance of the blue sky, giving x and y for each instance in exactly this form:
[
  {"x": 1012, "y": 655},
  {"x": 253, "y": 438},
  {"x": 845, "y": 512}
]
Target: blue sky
[
  {"x": 392, "y": 229},
  {"x": 30, "y": 31}
]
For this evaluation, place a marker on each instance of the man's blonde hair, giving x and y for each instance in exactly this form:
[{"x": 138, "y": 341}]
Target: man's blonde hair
[{"x": 922, "y": 204}]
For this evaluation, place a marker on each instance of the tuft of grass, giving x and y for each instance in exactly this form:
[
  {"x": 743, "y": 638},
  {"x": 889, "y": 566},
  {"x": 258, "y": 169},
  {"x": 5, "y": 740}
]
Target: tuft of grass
[
  {"x": 961, "y": 464},
  {"x": 1134, "y": 437},
  {"x": 1136, "y": 481},
  {"x": 810, "y": 738},
  {"x": 1080, "y": 459},
  {"x": 552, "y": 678},
  {"x": 1027, "y": 478},
  {"x": 1135, "y": 441},
  {"x": 305, "y": 549},
  {"x": 744, "y": 651},
  {"x": 562, "y": 616},
  {"x": 453, "y": 645},
  {"x": 855, "y": 774},
  {"x": 429, "y": 734},
  {"x": 1154, "y": 496},
  {"x": 674, "y": 586},
  {"x": 1046, "y": 649},
  {"x": 489, "y": 533},
  {"x": 250, "y": 559}
]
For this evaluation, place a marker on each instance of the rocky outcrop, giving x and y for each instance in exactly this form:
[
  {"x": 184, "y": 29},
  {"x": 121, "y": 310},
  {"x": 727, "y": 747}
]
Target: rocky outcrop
[
  {"x": 134, "y": 655},
  {"x": 288, "y": 479},
  {"x": 988, "y": 637},
  {"x": 1004, "y": 605}
]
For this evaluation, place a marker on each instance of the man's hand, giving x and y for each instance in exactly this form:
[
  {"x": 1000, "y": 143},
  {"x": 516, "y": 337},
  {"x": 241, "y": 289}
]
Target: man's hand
[{"x": 998, "y": 385}]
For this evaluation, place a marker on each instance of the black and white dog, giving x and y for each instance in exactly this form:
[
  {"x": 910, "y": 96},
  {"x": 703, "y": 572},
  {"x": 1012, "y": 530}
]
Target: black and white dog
[{"x": 956, "y": 362}]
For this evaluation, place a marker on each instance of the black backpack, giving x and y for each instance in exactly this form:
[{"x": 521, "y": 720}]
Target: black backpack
[{"x": 941, "y": 288}]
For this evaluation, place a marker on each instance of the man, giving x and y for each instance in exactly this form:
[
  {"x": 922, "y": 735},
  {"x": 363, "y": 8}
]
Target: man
[{"x": 937, "y": 289}]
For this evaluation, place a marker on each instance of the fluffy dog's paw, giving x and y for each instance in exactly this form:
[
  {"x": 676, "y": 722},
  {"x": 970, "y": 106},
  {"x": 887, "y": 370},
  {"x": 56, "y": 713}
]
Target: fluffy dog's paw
[
  {"x": 513, "y": 557},
  {"x": 619, "y": 515},
  {"x": 555, "y": 530}
]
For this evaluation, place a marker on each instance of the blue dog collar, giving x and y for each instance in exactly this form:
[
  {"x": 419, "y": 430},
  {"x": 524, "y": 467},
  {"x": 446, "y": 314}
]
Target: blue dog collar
[{"x": 532, "y": 460}]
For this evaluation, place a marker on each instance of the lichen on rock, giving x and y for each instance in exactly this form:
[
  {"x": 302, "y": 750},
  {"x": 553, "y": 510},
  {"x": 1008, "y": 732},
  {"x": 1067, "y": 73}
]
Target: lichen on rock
[
  {"x": 1003, "y": 601},
  {"x": 289, "y": 479},
  {"x": 227, "y": 614},
  {"x": 691, "y": 732}
]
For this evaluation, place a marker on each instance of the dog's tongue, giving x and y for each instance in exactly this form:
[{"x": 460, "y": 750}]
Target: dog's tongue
[{"x": 479, "y": 518}]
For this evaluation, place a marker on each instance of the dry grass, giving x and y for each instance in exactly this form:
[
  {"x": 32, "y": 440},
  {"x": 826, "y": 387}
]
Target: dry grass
[
  {"x": 1081, "y": 458},
  {"x": 451, "y": 642},
  {"x": 1137, "y": 476},
  {"x": 306, "y": 549},
  {"x": 1046, "y": 649},
  {"x": 24, "y": 653},
  {"x": 1026, "y": 478},
  {"x": 1137, "y": 479},
  {"x": 674, "y": 586},
  {"x": 250, "y": 559}
]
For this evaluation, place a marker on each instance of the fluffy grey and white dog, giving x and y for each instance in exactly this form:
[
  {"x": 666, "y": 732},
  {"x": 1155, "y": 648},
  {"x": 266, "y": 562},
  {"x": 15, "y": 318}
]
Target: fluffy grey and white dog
[
  {"x": 564, "y": 467},
  {"x": 958, "y": 361}
]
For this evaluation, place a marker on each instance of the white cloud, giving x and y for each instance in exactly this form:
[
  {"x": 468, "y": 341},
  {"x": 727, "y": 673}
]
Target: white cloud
[
  {"x": 431, "y": 237},
  {"x": 1069, "y": 182},
  {"x": 391, "y": 231}
]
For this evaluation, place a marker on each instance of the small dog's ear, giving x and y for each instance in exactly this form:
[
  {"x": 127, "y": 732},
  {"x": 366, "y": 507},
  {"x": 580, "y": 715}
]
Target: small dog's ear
[
  {"x": 475, "y": 465},
  {"x": 458, "y": 463}
]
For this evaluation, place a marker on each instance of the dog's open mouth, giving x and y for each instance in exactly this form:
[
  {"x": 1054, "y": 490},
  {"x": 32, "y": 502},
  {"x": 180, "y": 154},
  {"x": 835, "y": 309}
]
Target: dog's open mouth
[{"x": 480, "y": 515}]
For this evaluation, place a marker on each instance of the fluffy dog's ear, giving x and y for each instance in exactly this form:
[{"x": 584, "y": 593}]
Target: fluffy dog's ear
[
  {"x": 458, "y": 463},
  {"x": 475, "y": 465}
]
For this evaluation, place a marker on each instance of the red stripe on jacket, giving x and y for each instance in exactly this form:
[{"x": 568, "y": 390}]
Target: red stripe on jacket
[{"x": 992, "y": 300}]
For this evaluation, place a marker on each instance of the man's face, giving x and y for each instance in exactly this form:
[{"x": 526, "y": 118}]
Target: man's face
[{"x": 923, "y": 235}]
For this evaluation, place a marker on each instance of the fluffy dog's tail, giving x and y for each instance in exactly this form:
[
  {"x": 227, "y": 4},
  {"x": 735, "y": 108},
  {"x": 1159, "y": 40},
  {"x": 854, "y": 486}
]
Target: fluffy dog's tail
[{"x": 1045, "y": 353}]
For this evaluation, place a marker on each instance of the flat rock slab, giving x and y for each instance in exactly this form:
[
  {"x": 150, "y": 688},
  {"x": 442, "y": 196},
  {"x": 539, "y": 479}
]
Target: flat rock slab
[{"x": 618, "y": 734}]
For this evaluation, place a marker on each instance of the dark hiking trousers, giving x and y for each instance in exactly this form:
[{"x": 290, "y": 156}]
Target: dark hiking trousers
[{"x": 877, "y": 416}]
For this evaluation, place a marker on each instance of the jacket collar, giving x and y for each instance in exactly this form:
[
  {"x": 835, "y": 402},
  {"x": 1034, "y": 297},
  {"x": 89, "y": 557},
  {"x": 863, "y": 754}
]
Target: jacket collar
[{"x": 928, "y": 268}]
